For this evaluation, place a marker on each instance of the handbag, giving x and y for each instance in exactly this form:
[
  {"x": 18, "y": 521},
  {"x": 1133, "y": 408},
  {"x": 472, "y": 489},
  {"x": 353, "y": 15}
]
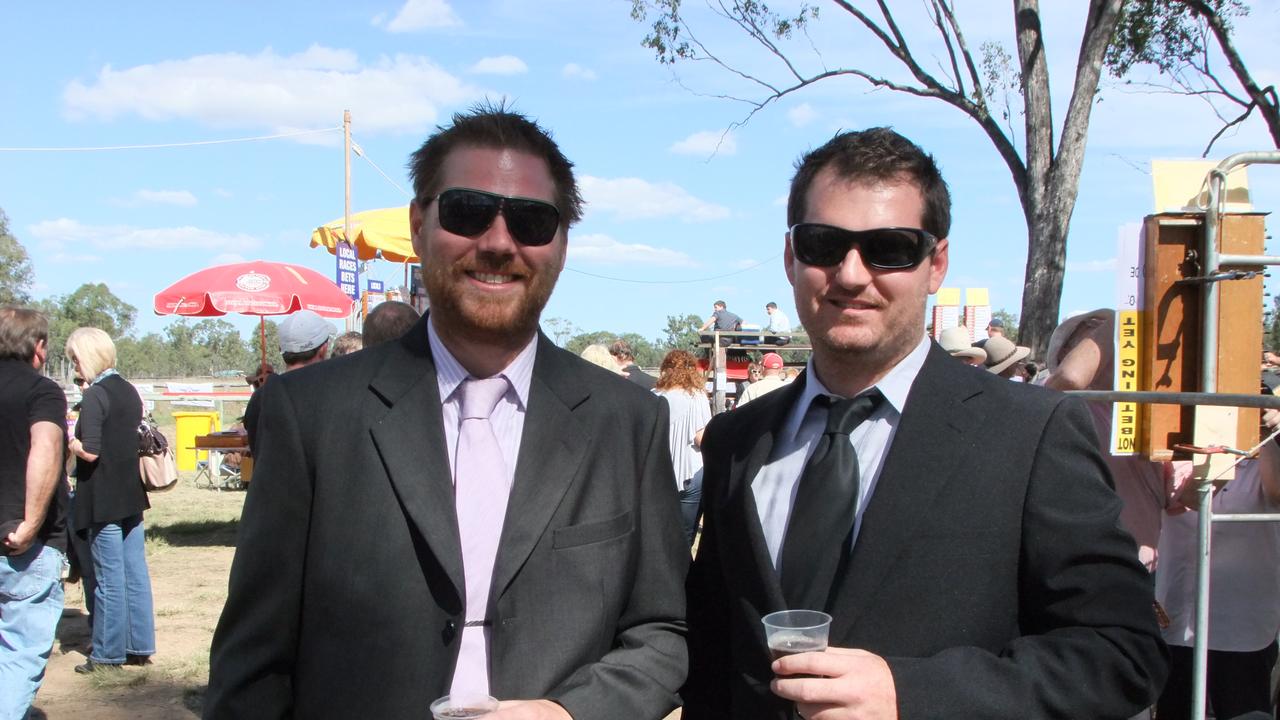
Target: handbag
[{"x": 157, "y": 467}]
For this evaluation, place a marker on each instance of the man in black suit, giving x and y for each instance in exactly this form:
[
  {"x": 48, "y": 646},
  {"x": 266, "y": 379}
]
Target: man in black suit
[
  {"x": 361, "y": 587},
  {"x": 963, "y": 536}
]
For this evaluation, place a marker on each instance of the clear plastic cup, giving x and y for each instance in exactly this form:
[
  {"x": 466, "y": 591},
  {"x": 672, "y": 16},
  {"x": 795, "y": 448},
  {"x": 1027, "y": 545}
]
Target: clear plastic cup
[
  {"x": 462, "y": 706},
  {"x": 790, "y": 632}
]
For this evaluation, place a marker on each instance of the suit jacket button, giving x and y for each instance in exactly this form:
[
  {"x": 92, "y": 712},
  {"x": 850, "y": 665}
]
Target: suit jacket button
[{"x": 450, "y": 630}]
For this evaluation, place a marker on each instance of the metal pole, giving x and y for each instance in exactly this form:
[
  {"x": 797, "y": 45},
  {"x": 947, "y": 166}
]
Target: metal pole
[
  {"x": 346, "y": 195},
  {"x": 1209, "y": 383}
]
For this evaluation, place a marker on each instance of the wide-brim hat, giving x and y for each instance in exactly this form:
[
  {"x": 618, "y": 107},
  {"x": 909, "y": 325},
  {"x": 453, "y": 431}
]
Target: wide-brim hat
[
  {"x": 1062, "y": 334},
  {"x": 956, "y": 341},
  {"x": 1001, "y": 353}
]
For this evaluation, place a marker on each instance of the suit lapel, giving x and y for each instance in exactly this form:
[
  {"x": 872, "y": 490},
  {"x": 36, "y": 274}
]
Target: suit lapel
[
  {"x": 552, "y": 446},
  {"x": 927, "y": 447},
  {"x": 744, "y": 530},
  {"x": 410, "y": 440}
]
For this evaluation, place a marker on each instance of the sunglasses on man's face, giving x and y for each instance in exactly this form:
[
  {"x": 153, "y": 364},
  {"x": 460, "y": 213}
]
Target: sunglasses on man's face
[
  {"x": 467, "y": 212},
  {"x": 892, "y": 248}
]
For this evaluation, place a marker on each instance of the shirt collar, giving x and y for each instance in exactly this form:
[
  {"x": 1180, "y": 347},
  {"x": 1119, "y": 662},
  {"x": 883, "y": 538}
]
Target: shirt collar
[
  {"x": 895, "y": 386},
  {"x": 450, "y": 373}
]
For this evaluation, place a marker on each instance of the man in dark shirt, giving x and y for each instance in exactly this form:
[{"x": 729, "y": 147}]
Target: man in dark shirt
[
  {"x": 621, "y": 352},
  {"x": 723, "y": 320},
  {"x": 33, "y": 542}
]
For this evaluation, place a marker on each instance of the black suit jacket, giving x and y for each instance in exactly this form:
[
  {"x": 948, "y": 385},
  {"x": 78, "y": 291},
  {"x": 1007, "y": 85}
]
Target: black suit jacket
[
  {"x": 347, "y": 587},
  {"x": 990, "y": 570}
]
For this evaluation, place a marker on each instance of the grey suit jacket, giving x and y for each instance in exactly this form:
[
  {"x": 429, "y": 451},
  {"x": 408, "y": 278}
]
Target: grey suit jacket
[
  {"x": 346, "y": 590},
  {"x": 990, "y": 570}
]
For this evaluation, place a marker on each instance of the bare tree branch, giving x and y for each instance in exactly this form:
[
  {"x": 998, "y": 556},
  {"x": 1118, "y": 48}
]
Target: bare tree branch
[{"x": 1221, "y": 131}]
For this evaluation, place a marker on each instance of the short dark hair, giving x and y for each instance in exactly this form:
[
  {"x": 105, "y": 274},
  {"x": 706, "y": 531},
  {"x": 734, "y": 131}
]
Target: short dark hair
[
  {"x": 773, "y": 305},
  {"x": 293, "y": 358},
  {"x": 875, "y": 154},
  {"x": 21, "y": 330},
  {"x": 719, "y": 303},
  {"x": 487, "y": 125},
  {"x": 388, "y": 321},
  {"x": 621, "y": 349}
]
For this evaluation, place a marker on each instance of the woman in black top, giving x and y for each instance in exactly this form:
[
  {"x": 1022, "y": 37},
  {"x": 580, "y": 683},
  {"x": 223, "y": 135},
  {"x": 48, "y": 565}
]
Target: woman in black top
[{"x": 108, "y": 505}]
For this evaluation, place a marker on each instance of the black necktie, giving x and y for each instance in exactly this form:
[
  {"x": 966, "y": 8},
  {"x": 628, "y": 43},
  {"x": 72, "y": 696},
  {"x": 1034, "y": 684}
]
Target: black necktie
[{"x": 821, "y": 521}]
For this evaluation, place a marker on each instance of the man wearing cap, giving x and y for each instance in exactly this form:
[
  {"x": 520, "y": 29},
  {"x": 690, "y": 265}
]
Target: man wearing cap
[
  {"x": 468, "y": 510},
  {"x": 775, "y": 376},
  {"x": 304, "y": 340},
  {"x": 995, "y": 328},
  {"x": 959, "y": 529}
]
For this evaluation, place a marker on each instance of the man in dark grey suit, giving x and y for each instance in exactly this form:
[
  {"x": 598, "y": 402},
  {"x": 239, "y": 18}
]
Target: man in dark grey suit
[
  {"x": 964, "y": 534},
  {"x": 373, "y": 574}
]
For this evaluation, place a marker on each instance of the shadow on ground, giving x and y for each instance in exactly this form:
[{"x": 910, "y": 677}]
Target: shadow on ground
[{"x": 203, "y": 533}]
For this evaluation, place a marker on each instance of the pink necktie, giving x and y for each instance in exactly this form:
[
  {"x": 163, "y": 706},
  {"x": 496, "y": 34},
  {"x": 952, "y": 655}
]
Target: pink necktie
[{"x": 480, "y": 492}]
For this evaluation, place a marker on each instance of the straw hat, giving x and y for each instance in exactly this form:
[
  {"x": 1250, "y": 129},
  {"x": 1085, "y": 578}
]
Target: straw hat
[
  {"x": 1062, "y": 334},
  {"x": 1001, "y": 353},
  {"x": 956, "y": 341}
]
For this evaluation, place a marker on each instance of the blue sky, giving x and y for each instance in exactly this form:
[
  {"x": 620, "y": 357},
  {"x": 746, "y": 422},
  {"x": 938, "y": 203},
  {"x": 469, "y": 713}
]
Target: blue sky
[{"x": 672, "y": 223}]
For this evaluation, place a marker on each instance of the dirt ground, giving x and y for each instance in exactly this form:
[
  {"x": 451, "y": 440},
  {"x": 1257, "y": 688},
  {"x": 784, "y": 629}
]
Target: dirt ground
[{"x": 190, "y": 543}]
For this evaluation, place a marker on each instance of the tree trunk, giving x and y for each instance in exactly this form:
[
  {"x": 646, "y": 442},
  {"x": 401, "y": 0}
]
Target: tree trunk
[{"x": 1042, "y": 281}]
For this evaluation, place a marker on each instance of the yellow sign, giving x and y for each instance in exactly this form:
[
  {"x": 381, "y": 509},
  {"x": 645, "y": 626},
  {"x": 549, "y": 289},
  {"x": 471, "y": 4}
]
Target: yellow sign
[{"x": 1124, "y": 437}]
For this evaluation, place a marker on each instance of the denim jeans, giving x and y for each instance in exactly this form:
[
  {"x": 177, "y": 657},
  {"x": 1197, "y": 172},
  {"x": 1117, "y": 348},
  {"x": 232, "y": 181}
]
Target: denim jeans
[
  {"x": 690, "y": 498},
  {"x": 30, "y": 605},
  {"x": 123, "y": 621}
]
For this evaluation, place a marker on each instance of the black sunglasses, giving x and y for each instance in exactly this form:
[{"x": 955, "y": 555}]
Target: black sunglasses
[
  {"x": 468, "y": 212},
  {"x": 892, "y": 248}
]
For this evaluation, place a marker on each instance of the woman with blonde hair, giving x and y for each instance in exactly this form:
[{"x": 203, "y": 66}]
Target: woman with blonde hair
[
  {"x": 108, "y": 505},
  {"x": 683, "y": 386},
  {"x": 599, "y": 355}
]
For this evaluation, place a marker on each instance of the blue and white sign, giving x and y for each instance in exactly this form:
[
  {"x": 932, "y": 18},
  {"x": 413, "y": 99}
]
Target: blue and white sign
[
  {"x": 348, "y": 270},
  {"x": 375, "y": 286}
]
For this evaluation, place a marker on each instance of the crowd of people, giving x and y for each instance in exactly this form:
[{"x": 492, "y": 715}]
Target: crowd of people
[{"x": 472, "y": 511}]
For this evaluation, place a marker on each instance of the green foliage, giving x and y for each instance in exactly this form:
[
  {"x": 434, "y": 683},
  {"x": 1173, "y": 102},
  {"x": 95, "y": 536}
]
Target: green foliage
[
  {"x": 1271, "y": 326},
  {"x": 559, "y": 329},
  {"x": 579, "y": 342},
  {"x": 681, "y": 333},
  {"x": 1168, "y": 34},
  {"x": 15, "y": 267}
]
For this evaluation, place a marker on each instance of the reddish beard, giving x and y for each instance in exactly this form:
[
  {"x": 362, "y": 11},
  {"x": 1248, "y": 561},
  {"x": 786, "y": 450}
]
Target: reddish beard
[{"x": 484, "y": 317}]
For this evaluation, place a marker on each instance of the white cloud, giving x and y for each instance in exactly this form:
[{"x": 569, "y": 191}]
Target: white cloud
[
  {"x": 744, "y": 263},
  {"x": 634, "y": 199},
  {"x": 781, "y": 200},
  {"x": 227, "y": 259},
  {"x": 500, "y": 65},
  {"x": 1107, "y": 265},
  {"x": 802, "y": 114},
  {"x": 604, "y": 250},
  {"x": 419, "y": 15},
  {"x": 74, "y": 258},
  {"x": 707, "y": 142},
  {"x": 269, "y": 91},
  {"x": 58, "y": 235},
  {"x": 222, "y": 192},
  {"x": 574, "y": 70},
  {"x": 181, "y": 198}
]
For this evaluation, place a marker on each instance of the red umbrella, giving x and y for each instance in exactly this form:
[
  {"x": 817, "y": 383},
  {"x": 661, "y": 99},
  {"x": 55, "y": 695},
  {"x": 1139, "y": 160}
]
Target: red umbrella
[{"x": 253, "y": 288}]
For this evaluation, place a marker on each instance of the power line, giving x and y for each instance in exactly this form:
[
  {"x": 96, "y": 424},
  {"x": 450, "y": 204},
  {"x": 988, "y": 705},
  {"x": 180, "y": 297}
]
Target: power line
[
  {"x": 675, "y": 282},
  {"x": 360, "y": 151},
  {"x": 155, "y": 146}
]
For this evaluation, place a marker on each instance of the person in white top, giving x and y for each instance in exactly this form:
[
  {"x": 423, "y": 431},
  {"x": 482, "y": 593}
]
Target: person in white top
[
  {"x": 1244, "y": 592},
  {"x": 683, "y": 386}
]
